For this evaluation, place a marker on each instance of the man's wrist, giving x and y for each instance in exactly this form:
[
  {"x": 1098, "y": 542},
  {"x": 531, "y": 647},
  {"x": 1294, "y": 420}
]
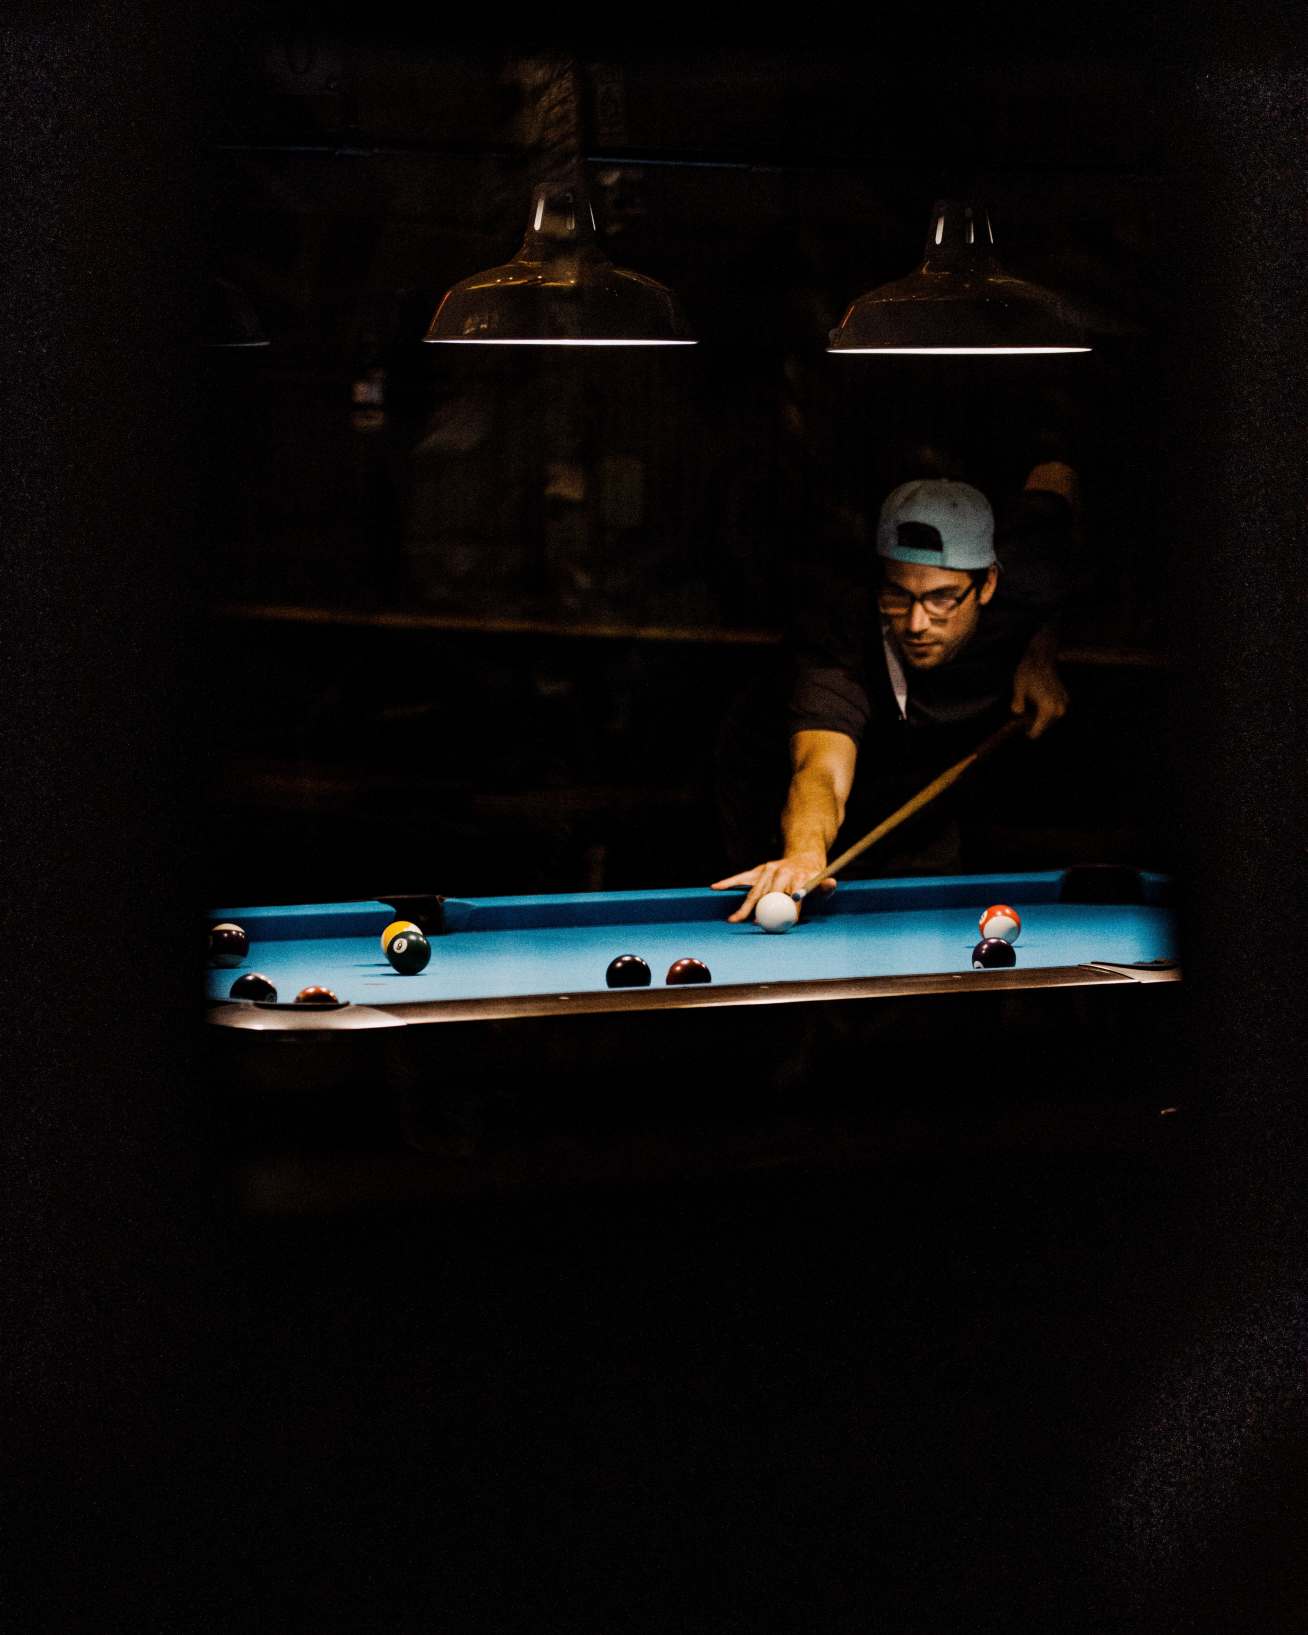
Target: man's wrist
[
  {"x": 1042, "y": 649},
  {"x": 806, "y": 851}
]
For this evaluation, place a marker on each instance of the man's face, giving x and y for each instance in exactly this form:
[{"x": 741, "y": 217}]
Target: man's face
[{"x": 926, "y": 640}]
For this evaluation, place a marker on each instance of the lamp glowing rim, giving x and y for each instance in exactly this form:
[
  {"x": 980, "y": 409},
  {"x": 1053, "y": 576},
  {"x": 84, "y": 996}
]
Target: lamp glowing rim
[
  {"x": 525, "y": 340},
  {"x": 952, "y": 351}
]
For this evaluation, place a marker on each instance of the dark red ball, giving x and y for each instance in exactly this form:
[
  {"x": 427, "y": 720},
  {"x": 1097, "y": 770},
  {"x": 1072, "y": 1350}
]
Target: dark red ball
[
  {"x": 688, "y": 970},
  {"x": 316, "y": 996}
]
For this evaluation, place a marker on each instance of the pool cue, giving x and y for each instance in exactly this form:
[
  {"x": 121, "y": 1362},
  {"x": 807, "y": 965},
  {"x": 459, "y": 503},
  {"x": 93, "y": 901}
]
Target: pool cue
[{"x": 924, "y": 797}]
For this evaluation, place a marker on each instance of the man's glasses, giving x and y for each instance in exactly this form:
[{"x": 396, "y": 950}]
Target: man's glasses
[{"x": 936, "y": 604}]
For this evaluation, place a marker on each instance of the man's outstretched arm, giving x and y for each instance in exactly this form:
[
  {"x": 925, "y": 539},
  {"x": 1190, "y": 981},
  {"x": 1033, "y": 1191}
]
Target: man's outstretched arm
[{"x": 822, "y": 774}]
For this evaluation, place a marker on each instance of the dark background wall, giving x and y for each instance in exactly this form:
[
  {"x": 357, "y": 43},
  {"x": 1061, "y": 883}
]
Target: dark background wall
[{"x": 378, "y": 513}]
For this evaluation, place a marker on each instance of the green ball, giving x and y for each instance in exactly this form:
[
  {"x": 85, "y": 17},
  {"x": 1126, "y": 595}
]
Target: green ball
[{"x": 408, "y": 952}]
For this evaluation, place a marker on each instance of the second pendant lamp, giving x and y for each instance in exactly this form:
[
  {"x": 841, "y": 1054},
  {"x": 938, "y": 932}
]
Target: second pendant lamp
[{"x": 960, "y": 300}]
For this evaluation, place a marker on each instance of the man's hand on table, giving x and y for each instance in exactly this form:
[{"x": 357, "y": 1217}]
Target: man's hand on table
[{"x": 786, "y": 874}]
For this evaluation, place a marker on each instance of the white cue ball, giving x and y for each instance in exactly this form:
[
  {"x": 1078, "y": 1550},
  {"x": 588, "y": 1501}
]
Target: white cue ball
[{"x": 778, "y": 911}]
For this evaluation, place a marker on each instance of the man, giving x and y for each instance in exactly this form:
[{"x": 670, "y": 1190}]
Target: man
[{"x": 960, "y": 638}]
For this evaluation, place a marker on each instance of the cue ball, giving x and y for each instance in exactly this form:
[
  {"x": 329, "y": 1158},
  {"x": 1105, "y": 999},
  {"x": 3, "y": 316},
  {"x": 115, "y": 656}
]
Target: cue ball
[
  {"x": 408, "y": 952},
  {"x": 688, "y": 970},
  {"x": 628, "y": 971},
  {"x": 991, "y": 953},
  {"x": 253, "y": 986},
  {"x": 394, "y": 929},
  {"x": 1000, "y": 921},
  {"x": 228, "y": 944},
  {"x": 778, "y": 911},
  {"x": 316, "y": 996}
]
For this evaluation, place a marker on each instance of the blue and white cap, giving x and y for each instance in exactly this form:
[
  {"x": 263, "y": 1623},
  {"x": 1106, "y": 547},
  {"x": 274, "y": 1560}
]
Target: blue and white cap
[{"x": 939, "y": 523}]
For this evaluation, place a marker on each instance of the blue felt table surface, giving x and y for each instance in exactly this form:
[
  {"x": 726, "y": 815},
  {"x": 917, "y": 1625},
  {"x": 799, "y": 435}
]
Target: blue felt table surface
[{"x": 501, "y": 947}]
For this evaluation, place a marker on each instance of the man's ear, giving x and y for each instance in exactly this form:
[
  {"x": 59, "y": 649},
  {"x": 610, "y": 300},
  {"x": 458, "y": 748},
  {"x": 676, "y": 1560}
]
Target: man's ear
[{"x": 988, "y": 587}]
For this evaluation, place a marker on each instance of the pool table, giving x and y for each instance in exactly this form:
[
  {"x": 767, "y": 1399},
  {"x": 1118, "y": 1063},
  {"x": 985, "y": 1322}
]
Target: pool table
[
  {"x": 501, "y": 957},
  {"x": 868, "y": 1009}
]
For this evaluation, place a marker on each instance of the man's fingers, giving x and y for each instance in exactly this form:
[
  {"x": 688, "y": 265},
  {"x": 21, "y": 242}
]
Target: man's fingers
[
  {"x": 746, "y": 879},
  {"x": 786, "y": 875},
  {"x": 747, "y": 907},
  {"x": 766, "y": 882},
  {"x": 1048, "y": 711}
]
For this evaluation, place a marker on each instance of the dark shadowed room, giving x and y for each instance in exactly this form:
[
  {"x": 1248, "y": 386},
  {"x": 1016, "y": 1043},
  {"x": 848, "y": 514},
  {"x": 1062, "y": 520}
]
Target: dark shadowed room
[{"x": 655, "y": 698}]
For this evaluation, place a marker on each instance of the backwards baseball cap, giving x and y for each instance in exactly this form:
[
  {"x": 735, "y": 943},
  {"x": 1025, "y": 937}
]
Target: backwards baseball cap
[{"x": 939, "y": 523}]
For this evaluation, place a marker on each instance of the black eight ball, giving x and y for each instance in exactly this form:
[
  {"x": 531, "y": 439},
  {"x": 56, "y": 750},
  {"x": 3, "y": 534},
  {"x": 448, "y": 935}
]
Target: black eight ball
[
  {"x": 408, "y": 952},
  {"x": 253, "y": 985},
  {"x": 991, "y": 953},
  {"x": 628, "y": 971}
]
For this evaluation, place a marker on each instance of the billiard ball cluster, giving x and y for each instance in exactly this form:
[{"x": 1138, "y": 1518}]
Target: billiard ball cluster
[
  {"x": 229, "y": 945},
  {"x": 999, "y": 927},
  {"x": 630, "y": 971},
  {"x": 405, "y": 947},
  {"x": 257, "y": 988}
]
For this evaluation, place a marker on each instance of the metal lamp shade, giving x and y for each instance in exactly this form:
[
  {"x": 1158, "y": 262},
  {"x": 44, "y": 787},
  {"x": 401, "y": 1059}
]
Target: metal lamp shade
[
  {"x": 960, "y": 300},
  {"x": 560, "y": 290}
]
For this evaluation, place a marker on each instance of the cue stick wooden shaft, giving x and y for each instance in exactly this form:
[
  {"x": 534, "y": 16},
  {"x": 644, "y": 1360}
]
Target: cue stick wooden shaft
[{"x": 924, "y": 797}]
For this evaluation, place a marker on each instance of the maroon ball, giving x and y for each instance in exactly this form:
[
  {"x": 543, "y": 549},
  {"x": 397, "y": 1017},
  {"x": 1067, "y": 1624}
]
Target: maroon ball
[
  {"x": 688, "y": 970},
  {"x": 316, "y": 996}
]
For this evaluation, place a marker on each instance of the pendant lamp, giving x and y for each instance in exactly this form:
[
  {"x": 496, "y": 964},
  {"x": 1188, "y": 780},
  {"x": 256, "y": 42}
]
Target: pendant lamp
[
  {"x": 560, "y": 289},
  {"x": 959, "y": 301}
]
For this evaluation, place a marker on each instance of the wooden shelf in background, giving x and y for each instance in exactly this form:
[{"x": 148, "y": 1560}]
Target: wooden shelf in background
[
  {"x": 600, "y": 630},
  {"x": 274, "y": 784},
  {"x": 397, "y": 619}
]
